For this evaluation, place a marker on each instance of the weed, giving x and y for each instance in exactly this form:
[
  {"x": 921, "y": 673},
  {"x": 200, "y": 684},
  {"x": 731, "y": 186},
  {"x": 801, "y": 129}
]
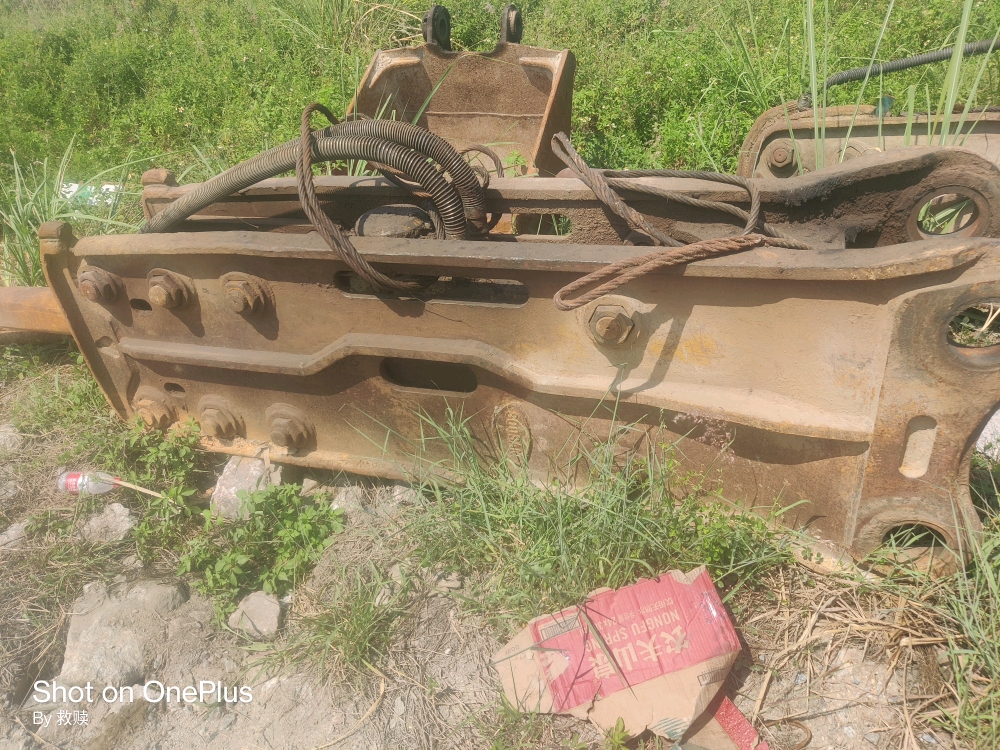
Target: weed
[
  {"x": 354, "y": 625},
  {"x": 39, "y": 194},
  {"x": 279, "y": 541},
  {"x": 538, "y": 549}
]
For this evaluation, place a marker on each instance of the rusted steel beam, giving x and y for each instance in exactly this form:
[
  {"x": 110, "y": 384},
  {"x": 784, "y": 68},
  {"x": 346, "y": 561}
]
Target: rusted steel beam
[
  {"x": 779, "y": 145},
  {"x": 32, "y": 309}
]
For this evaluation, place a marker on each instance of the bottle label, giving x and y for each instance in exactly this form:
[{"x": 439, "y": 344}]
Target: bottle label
[{"x": 73, "y": 482}]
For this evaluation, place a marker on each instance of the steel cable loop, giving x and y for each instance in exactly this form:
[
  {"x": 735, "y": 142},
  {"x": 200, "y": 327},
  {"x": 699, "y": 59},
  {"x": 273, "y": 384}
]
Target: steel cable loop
[
  {"x": 329, "y": 231},
  {"x": 616, "y": 275},
  {"x": 593, "y": 179},
  {"x": 622, "y": 272},
  {"x": 729, "y": 208},
  {"x": 497, "y": 166},
  {"x": 434, "y": 147}
]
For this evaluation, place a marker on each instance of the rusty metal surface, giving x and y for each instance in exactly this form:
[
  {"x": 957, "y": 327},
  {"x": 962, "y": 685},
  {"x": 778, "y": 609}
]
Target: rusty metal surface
[
  {"x": 822, "y": 379},
  {"x": 777, "y": 146},
  {"x": 513, "y": 98},
  {"x": 857, "y": 204},
  {"x": 31, "y": 309}
]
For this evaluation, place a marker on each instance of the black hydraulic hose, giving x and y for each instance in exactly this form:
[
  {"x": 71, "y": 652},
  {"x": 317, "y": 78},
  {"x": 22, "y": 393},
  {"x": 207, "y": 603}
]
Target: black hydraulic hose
[
  {"x": 464, "y": 188},
  {"x": 283, "y": 159},
  {"x": 926, "y": 58}
]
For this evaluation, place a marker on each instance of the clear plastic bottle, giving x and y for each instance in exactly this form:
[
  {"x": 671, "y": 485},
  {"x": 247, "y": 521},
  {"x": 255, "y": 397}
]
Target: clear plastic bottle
[{"x": 78, "y": 483}]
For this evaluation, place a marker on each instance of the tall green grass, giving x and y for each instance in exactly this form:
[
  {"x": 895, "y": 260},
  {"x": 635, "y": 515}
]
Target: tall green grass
[{"x": 37, "y": 193}]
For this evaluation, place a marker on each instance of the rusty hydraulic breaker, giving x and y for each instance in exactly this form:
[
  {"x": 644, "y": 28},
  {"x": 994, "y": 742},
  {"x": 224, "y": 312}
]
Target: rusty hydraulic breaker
[{"x": 824, "y": 378}]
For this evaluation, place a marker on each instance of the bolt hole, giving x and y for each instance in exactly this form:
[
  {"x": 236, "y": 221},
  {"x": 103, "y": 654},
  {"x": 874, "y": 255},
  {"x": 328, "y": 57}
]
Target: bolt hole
[
  {"x": 911, "y": 535},
  {"x": 174, "y": 388},
  {"x": 140, "y": 305},
  {"x": 947, "y": 214},
  {"x": 550, "y": 224},
  {"x": 976, "y": 327},
  {"x": 429, "y": 376}
]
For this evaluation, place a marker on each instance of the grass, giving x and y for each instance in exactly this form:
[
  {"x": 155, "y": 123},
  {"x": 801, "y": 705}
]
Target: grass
[{"x": 538, "y": 549}]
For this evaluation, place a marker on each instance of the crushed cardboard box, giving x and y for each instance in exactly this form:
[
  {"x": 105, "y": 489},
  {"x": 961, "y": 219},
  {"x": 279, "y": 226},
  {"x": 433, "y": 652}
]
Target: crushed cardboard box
[{"x": 653, "y": 654}]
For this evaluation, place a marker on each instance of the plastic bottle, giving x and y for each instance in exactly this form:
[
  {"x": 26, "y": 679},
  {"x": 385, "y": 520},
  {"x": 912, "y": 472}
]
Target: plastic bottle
[{"x": 78, "y": 483}]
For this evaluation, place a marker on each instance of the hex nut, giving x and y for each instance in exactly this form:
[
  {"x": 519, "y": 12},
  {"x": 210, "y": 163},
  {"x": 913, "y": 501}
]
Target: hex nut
[
  {"x": 157, "y": 416},
  {"x": 781, "y": 157},
  {"x": 97, "y": 285},
  {"x": 611, "y": 325},
  {"x": 289, "y": 426},
  {"x": 245, "y": 294},
  {"x": 217, "y": 423},
  {"x": 167, "y": 289}
]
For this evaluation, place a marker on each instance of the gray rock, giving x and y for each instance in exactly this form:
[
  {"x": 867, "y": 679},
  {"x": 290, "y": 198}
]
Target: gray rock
[
  {"x": 118, "y": 638},
  {"x": 259, "y": 616},
  {"x": 449, "y": 582},
  {"x": 928, "y": 739},
  {"x": 873, "y": 737},
  {"x": 989, "y": 440},
  {"x": 350, "y": 498},
  {"x": 11, "y": 441},
  {"x": 8, "y": 490},
  {"x": 14, "y": 537},
  {"x": 404, "y": 494},
  {"x": 241, "y": 473},
  {"x": 308, "y": 486},
  {"x": 110, "y": 525}
]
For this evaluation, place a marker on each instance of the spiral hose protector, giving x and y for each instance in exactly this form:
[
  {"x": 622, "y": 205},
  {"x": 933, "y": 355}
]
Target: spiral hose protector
[
  {"x": 424, "y": 141},
  {"x": 283, "y": 158},
  {"x": 406, "y": 160}
]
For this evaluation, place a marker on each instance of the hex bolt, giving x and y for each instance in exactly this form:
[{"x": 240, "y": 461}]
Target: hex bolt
[
  {"x": 610, "y": 324},
  {"x": 166, "y": 290},
  {"x": 242, "y": 297},
  {"x": 217, "y": 423},
  {"x": 781, "y": 157},
  {"x": 288, "y": 433},
  {"x": 154, "y": 414},
  {"x": 97, "y": 285},
  {"x": 289, "y": 426}
]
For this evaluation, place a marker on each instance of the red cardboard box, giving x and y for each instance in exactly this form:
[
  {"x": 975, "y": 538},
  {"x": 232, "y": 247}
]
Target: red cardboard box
[{"x": 653, "y": 654}]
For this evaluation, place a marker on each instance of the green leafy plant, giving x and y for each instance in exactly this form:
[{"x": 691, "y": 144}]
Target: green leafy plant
[{"x": 279, "y": 541}]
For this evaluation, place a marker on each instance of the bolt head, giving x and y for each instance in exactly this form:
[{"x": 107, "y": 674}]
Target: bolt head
[
  {"x": 781, "y": 157},
  {"x": 89, "y": 290},
  {"x": 611, "y": 325},
  {"x": 288, "y": 433},
  {"x": 217, "y": 424},
  {"x": 236, "y": 300},
  {"x": 242, "y": 297},
  {"x": 155, "y": 415},
  {"x": 165, "y": 292}
]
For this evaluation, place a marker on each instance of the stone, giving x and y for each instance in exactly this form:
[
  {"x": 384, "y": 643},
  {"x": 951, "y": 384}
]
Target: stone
[
  {"x": 241, "y": 473},
  {"x": 928, "y": 739},
  {"x": 11, "y": 441},
  {"x": 404, "y": 494},
  {"x": 14, "y": 537},
  {"x": 873, "y": 738},
  {"x": 8, "y": 490},
  {"x": 449, "y": 582},
  {"x": 308, "y": 486},
  {"x": 117, "y": 638},
  {"x": 989, "y": 440},
  {"x": 110, "y": 525},
  {"x": 350, "y": 498},
  {"x": 259, "y": 616}
]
